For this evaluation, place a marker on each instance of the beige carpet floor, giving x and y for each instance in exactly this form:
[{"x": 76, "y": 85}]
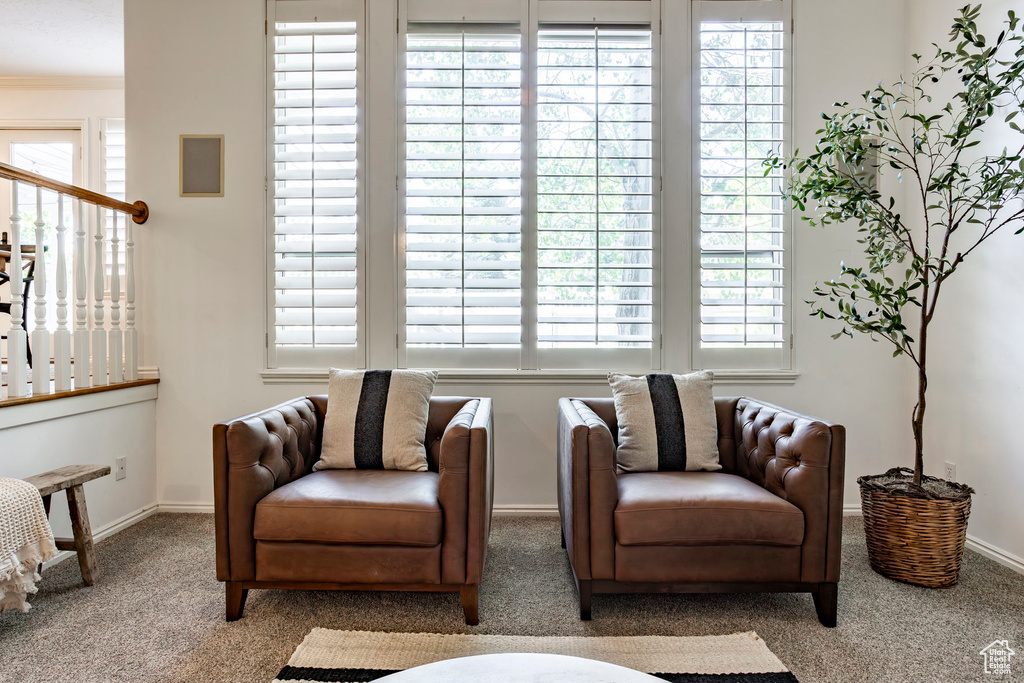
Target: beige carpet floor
[{"x": 156, "y": 614}]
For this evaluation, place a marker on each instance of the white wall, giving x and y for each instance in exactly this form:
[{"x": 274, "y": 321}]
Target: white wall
[
  {"x": 976, "y": 377},
  {"x": 96, "y": 437},
  {"x": 195, "y": 66}
]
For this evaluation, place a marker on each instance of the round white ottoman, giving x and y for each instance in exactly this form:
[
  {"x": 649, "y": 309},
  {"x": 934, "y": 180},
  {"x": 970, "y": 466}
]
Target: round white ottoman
[{"x": 519, "y": 668}]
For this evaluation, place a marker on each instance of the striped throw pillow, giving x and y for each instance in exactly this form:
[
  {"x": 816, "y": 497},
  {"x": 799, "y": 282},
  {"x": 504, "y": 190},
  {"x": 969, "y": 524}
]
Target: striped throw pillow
[
  {"x": 666, "y": 422},
  {"x": 376, "y": 420}
]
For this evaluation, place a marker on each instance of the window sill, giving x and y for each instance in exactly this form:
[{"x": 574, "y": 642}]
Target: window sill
[{"x": 535, "y": 377}]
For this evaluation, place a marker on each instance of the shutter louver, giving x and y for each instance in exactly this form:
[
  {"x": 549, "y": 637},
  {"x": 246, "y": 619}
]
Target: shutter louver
[
  {"x": 595, "y": 221},
  {"x": 463, "y": 188},
  {"x": 314, "y": 184},
  {"x": 741, "y": 213}
]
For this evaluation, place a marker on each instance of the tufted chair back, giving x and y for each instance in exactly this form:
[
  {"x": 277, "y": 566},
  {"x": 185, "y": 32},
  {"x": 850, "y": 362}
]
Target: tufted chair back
[
  {"x": 767, "y": 452},
  {"x": 263, "y": 450},
  {"x": 298, "y": 430}
]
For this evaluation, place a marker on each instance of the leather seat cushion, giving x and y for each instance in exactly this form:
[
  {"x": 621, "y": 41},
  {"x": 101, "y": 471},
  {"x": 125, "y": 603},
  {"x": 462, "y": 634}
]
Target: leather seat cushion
[
  {"x": 702, "y": 508},
  {"x": 376, "y": 507}
]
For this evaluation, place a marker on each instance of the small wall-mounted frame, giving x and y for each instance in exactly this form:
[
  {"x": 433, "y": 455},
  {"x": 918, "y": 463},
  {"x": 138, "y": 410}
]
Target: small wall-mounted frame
[{"x": 201, "y": 166}]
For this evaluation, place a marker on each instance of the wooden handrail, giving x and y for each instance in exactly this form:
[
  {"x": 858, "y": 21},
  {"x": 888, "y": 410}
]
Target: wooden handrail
[{"x": 138, "y": 211}]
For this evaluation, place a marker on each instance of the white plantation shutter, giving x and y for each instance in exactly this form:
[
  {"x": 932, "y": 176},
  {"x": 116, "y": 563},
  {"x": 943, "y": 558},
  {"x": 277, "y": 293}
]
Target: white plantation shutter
[
  {"x": 741, "y": 93},
  {"x": 113, "y": 158},
  {"x": 112, "y": 177},
  {"x": 314, "y": 182},
  {"x": 463, "y": 195},
  {"x": 596, "y": 195}
]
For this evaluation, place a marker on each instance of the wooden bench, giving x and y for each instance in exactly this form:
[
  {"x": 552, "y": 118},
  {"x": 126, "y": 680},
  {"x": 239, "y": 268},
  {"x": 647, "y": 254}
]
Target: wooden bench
[{"x": 70, "y": 479}]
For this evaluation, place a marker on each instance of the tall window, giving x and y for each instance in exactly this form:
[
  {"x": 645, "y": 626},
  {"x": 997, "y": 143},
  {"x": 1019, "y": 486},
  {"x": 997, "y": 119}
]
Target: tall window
[
  {"x": 595, "y": 221},
  {"x": 314, "y": 192},
  {"x": 463, "y": 190},
  {"x": 528, "y": 189},
  {"x": 741, "y": 94}
]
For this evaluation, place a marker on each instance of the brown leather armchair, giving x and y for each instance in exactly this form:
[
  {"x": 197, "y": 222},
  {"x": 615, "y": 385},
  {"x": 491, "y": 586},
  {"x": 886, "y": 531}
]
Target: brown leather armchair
[
  {"x": 281, "y": 525},
  {"x": 770, "y": 520}
]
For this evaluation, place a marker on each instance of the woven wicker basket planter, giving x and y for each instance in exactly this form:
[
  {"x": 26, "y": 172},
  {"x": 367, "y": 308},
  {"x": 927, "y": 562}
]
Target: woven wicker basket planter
[{"x": 911, "y": 537}]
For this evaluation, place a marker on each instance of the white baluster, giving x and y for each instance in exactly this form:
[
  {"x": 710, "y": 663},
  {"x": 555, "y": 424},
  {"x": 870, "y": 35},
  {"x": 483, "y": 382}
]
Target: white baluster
[
  {"x": 62, "y": 336},
  {"x": 99, "y": 335},
  {"x": 82, "y": 378},
  {"x": 40, "y": 335},
  {"x": 116, "y": 365},
  {"x": 17, "y": 340},
  {"x": 131, "y": 335}
]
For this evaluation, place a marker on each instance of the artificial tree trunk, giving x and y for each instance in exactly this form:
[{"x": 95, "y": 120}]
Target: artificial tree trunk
[{"x": 922, "y": 388}]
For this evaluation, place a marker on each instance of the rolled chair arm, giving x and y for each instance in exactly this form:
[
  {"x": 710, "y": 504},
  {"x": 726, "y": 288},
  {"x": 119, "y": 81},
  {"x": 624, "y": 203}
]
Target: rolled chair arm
[
  {"x": 252, "y": 456},
  {"x": 802, "y": 460},
  {"x": 587, "y": 489},
  {"x": 465, "y": 491}
]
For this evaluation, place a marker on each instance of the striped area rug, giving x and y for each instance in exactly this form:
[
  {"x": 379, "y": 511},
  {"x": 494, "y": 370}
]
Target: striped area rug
[{"x": 358, "y": 656}]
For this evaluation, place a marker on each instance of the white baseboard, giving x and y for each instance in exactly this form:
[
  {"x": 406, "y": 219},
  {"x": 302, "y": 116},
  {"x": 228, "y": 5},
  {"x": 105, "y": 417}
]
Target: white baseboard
[
  {"x": 993, "y": 553},
  {"x": 108, "y": 530},
  {"x": 193, "y": 508},
  {"x": 977, "y": 545},
  {"x": 525, "y": 510}
]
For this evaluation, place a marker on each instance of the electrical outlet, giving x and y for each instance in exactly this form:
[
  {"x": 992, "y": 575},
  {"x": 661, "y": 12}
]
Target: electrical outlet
[
  {"x": 122, "y": 469},
  {"x": 950, "y": 471}
]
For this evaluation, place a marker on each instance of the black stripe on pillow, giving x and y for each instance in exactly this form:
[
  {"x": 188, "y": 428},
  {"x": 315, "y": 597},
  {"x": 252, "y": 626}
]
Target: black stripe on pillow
[
  {"x": 668, "y": 421},
  {"x": 368, "y": 447}
]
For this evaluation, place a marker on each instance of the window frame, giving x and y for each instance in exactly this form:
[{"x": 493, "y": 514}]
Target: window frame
[
  {"x": 354, "y": 356},
  {"x": 380, "y": 196},
  {"x": 740, "y": 358}
]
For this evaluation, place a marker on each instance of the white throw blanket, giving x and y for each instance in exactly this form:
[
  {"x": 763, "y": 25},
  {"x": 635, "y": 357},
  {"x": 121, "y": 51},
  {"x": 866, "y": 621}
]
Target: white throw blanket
[{"x": 26, "y": 541}]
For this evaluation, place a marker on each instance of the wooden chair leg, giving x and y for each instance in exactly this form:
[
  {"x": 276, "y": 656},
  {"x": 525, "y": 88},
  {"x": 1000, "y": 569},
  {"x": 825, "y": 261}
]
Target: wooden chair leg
[
  {"x": 470, "y": 604},
  {"x": 585, "y": 596},
  {"x": 826, "y": 603},
  {"x": 83, "y": 534},
  {"x": 235, "y": 597},
  {"x": 46, "y": 507}
]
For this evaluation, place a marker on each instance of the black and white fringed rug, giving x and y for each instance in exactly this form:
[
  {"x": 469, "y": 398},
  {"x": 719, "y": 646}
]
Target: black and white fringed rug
[{"x": 358, "y": 656}]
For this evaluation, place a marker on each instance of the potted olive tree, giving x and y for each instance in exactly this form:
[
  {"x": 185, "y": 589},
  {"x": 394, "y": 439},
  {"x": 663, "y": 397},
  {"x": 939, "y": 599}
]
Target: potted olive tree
[{"x": 922, "y": 130}]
